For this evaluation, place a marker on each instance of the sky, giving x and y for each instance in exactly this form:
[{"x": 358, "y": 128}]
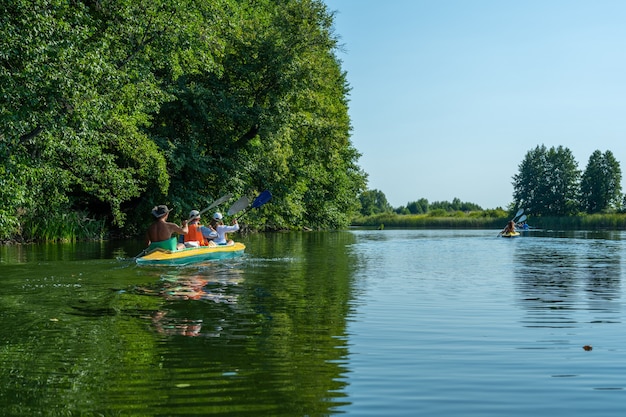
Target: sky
[{"x": 448, "y": 96}]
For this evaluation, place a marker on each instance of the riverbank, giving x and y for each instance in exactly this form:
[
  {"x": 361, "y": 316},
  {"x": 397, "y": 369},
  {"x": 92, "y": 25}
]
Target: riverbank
[
  {"x": 474, "y": 220},
  {"x": 455, "y": 220}
]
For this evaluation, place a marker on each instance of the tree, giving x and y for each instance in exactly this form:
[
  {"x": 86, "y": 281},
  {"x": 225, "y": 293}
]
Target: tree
[
  {"x": 374, "y": 202},
  {"x": 547, "y": 182},
  {"x": 78, "y": 82},
  {"x": 275, "y": 116},
  {"x": 600, "y": 188},
  {"x": 455, "y": 205},
  {"x": 109, "y": 107},
  {"x": 418, "y": 207}
]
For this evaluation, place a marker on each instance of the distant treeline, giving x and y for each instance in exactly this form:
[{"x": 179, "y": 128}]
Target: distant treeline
[
  {"x": 375, "y": 202},
  {"x": 548, "y": 184}
]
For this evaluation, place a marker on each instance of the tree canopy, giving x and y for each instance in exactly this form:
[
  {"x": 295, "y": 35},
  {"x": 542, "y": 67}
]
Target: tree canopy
[
  {"x": 374, "y": 202},
  {"x": 109, "y": 107},
  {"x": 600, "y": 185},
  {"x": 549, "y": 183}
]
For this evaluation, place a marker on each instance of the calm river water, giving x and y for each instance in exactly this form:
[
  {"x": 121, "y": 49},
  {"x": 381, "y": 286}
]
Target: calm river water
[{"x": 362, "y": 323}]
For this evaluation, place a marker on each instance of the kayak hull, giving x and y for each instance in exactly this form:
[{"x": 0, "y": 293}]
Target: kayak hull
[
  {"x": 510, "y": 234},
  {"x": 191, "y": 255}
]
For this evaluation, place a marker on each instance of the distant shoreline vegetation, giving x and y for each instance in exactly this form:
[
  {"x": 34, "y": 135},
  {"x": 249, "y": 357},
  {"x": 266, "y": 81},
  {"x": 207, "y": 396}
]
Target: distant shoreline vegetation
[{"x": 490, "y": 219}]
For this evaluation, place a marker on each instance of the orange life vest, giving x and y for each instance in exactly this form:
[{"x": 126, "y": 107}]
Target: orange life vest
[{"x": 195, "y": 234}]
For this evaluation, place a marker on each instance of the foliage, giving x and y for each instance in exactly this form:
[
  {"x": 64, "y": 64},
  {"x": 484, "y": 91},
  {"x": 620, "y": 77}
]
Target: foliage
[
  {"x": 420, "y": 206},
  {"x": 374, "y": 202},
  {"x": 548, "y": 182},
  {"x": 442, "y": 220},
  {"x": 598, "y": 221},
  {"x": 111, "y": 107},
  {"x": 68, "y": 227},
  {"x": 455, "y": 205},
  {"x": 600, "y": 188}
]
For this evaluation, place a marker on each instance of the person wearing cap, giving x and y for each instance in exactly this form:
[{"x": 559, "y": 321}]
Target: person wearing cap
[
  {"x": 218, "y": 224},
  {"x": 159, "y": 234},
  {"x": 198, "y": 235}
]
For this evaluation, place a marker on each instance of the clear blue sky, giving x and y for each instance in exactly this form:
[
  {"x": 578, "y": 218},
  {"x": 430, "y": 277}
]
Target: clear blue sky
[{"x": 448, "y": 96}]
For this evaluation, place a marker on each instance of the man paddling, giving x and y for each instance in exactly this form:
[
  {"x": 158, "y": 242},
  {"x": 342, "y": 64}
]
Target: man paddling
[{"x": 159, "y": 234}]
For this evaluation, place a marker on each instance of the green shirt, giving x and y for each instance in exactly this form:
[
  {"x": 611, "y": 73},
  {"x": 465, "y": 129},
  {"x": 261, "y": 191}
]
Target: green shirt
[{"x": 169, "y": 244}]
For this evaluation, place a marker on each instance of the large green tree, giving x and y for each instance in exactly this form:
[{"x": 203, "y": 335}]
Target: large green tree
[
  {"x": 547, "y": 182},
  {"x": 275, "y": 116},
  {"x": 108, "y": 107},
  {"x": 78, "y": 82},
  {"x": 600, "y": 187}
]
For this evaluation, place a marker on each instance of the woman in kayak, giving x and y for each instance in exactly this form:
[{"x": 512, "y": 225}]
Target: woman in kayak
[
  {"x": 198, "y": 235},
  {"x": 218, "y": 224},
  {"x": 509, "y": 228}
]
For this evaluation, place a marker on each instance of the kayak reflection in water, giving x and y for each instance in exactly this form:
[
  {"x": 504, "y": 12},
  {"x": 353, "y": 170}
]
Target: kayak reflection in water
[{"x": 188, "y": 288}]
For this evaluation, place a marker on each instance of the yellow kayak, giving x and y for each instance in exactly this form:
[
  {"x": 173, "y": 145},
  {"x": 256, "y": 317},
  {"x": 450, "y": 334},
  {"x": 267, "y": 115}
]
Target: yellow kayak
[
  {"x": 510, "y": 234},
  {"x": 191, "y": 255}
]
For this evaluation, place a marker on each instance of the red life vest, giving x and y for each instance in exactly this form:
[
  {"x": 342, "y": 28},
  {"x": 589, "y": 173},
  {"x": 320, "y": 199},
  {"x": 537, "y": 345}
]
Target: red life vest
[{"x": 195, "y": 234}]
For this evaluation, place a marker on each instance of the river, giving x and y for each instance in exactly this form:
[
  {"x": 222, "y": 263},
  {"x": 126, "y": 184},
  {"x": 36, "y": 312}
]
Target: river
[{"x": 358, "y": 322}]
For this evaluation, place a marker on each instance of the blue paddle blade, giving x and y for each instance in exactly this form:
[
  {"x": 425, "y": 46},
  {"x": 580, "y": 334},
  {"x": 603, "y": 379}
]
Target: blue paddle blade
[{"x": 263, "y": 198}]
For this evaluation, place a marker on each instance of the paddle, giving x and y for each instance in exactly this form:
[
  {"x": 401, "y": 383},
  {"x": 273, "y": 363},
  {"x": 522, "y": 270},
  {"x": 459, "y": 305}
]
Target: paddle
[
  {"x": 261, "y": 199},
  {"x": 217, "y": 202},
  {"x": 238, "y": 205}
]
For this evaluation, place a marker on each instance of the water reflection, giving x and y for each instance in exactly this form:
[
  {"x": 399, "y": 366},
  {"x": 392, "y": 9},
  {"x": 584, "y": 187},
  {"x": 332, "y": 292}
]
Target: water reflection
[
  {"x": 179, "y": 288},
  {"x": 565, "y": 279}
]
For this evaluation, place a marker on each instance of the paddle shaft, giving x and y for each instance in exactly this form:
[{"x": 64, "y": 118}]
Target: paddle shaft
[{"x": 217, "y": 202}]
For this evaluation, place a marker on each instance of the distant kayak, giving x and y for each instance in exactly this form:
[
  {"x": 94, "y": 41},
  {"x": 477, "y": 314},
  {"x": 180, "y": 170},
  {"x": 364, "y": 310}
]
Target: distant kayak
[{"x": 510, "y": 234}]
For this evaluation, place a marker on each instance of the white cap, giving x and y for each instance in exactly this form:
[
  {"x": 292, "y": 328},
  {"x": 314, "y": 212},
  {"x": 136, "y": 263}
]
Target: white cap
[
  {"x": 217, "y": 216},
  {"x": 194, "y": 214}
]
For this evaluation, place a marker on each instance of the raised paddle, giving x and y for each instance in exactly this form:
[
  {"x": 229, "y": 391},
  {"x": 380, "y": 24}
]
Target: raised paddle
[
  {"x": 261, "y": 199},
  {"x": 217, "y": 202},
  {"x": 238, "y": 205}
]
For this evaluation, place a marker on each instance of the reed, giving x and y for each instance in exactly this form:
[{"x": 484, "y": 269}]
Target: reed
[
  {"x": 431, "y": 221},
  {"x": 608, "y": 221},
  {"x": 65, "y": 227},
  {"x": 476, "y": 220}
]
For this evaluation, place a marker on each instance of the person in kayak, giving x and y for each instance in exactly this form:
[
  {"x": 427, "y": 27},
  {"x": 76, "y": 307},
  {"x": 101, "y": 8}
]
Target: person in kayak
[
  {"x": 509, "y": 228},
  {"x": 218, "y": 224},
  {"x": 159, "y": 234},
  {"x": 198, "y": 235}
]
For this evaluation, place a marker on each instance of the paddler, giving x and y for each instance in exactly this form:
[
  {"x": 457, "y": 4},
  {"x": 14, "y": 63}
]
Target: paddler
[
  {"x": 509, "y": 228},
  {"x": 159, "y": 234},
  {"x": 198, "y": 235}
]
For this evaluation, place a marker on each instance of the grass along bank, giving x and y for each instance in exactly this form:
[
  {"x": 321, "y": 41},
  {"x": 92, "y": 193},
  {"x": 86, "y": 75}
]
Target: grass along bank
[{"x": 493, "y": 220}]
